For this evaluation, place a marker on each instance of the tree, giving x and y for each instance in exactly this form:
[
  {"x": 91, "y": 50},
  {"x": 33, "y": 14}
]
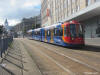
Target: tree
[{"x": 1, "y": 30}]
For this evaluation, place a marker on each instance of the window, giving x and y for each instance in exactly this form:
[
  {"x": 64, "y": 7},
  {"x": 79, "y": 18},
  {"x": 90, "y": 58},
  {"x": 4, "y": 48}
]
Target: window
[
  {"x": 68, "y": 2},
  {"x": 58, "y": 32},
  {"x": 37, "y": 33},
  {"x": 73, "y": 1},
  {"x": 77, "y": 8},
  {"x": 73, "y": 10},
  {"x": 73, "y": 30},
  {"x": 48, "y": 33},
  {"x": 65, "y": 4},
  {"x": 76, "y": 30},
  {"x": 55, "y": 31},
  {"x": 97, "y": 0},
  {"x": 65, "y": 31},
  {"x": 43, "y": 33},
  {"x": 88, "y": 2}
]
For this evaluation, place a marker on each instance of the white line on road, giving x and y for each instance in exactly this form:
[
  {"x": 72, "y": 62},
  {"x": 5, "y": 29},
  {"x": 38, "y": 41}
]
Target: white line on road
[
  {"x": 73, "y": 59},
  {"x": 78, "y": 61},
  {"x": 65, "y": 69}
]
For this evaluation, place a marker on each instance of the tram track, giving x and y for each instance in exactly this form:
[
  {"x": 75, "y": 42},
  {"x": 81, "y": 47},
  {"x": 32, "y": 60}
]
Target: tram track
[
  {"x": 82, "y": 51},
  {"x": 44, "y": 70},
  {"x": 86, "y": 57},
  {"x": 62, "y": 59}
]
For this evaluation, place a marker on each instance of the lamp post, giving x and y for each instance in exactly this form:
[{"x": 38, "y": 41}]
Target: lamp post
[
  {"x": 35, "y": 21},
  {"x": 23, "y": 28}
]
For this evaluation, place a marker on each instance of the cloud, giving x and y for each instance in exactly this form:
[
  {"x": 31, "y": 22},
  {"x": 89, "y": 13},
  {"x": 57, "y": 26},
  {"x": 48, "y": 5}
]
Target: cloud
[
  {"x": 13, "y": 2},
  {"x": 11, "y": 22},
  {"x": 29, "y": 4},
  {"x": 15, "y": 10}
]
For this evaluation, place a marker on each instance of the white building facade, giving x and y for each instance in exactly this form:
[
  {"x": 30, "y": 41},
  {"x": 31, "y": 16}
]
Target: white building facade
[{"x": 86, "y": 12}]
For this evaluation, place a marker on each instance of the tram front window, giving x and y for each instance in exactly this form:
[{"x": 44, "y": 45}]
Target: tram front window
[
  {"x": 76, "y": 30},
  {"x": 73, "y": 30}
]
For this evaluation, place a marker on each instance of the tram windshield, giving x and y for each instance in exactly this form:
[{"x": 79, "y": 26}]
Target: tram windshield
[{"x": 76, "y": 30}]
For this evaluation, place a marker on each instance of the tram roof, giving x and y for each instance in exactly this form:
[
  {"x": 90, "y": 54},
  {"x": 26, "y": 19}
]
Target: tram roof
[
  {"x": 52, "y": 26},
  {"x": 38, "y": 29},
  {"x": 29, "y": 31}
]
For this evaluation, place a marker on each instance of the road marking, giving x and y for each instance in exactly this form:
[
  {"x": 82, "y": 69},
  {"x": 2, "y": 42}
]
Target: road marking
[
  {"x": 91, "y": 73},
  {"x": 65, "y": 69},
  {"x": 78, "y": 61},
  {"x": 3, "y": 65},
  {"x": 73, "y": 59}
]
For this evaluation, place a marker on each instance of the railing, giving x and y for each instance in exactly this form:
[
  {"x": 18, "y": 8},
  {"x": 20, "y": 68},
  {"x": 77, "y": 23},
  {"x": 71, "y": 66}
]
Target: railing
[{"x": 4, "y": 44}]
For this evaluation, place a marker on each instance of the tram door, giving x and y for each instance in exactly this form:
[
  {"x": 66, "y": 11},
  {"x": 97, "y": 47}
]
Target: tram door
[
  {"x": 52, "y": 36},
  {"x": 45, "y": 35}
]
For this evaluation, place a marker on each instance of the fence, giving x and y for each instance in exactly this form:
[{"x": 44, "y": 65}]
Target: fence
[{"x": 4, "y": 43}]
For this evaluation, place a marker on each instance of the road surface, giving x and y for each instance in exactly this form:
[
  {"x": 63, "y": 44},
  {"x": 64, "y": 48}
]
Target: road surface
[{"x": 57, "y": 60}]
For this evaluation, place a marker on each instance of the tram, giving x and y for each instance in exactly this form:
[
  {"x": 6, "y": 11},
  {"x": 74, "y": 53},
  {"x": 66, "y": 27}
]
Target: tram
[{"x": 69, "y": 34}]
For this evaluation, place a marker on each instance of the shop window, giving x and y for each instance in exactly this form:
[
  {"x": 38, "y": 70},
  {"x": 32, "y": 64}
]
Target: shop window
[
  {"x": 88, "y": 2},
  {"x": 97, "y": 0},
  {"x": 98, "y": 30}
]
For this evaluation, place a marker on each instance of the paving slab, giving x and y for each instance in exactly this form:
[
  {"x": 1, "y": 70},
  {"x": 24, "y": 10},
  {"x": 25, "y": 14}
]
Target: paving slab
[
  {"x": 18, "y": 62},
  {"x": 30, "y": 68},
  {"x": 92, "y": 41}
]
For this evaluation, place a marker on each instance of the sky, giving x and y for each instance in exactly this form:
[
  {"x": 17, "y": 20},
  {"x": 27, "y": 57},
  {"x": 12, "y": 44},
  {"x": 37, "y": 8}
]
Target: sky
[{"x": 15, "y": 10}]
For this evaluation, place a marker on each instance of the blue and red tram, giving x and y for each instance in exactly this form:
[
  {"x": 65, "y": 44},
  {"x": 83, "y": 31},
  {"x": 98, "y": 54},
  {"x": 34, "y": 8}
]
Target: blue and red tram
[{"x": 68, "y": 34}]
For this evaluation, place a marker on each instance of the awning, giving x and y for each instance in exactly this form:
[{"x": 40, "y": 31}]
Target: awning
[{"x": 86, "y": 13}]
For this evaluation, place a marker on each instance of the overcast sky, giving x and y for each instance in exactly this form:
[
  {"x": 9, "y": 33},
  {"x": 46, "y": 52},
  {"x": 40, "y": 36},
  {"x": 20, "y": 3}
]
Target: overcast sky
[{"x": 15, "y": 10}]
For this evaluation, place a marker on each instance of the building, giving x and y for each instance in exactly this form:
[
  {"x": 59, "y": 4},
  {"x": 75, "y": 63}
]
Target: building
[
  {"x": 85, "y": 11},
  {"x": 31, "y": 23},
  {"x": 27, "y": 24},
  {"x": 6, "y": 25}
]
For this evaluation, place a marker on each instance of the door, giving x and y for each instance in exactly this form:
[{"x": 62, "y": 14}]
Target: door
[{"x": 52, "y": 34}]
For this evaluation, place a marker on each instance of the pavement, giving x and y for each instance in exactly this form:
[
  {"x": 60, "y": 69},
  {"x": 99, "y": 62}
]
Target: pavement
[
  {"x": 17, "y": 61},
  {"x": 92, "y": 41}
]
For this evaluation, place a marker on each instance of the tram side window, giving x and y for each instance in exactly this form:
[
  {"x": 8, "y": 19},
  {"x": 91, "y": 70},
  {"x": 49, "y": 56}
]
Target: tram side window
[
  {"x": 60, "y": 32},
  {"x": 55, "y": 32},
  {"x": 38, "y": 32},
  {"x": 35, "y": 33},
  {"x": 64, "y": 31},
  {"x": 43, "y": 33},
  {"x": 48, "y": 33},
  {"x": 67, "y": 31}
]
